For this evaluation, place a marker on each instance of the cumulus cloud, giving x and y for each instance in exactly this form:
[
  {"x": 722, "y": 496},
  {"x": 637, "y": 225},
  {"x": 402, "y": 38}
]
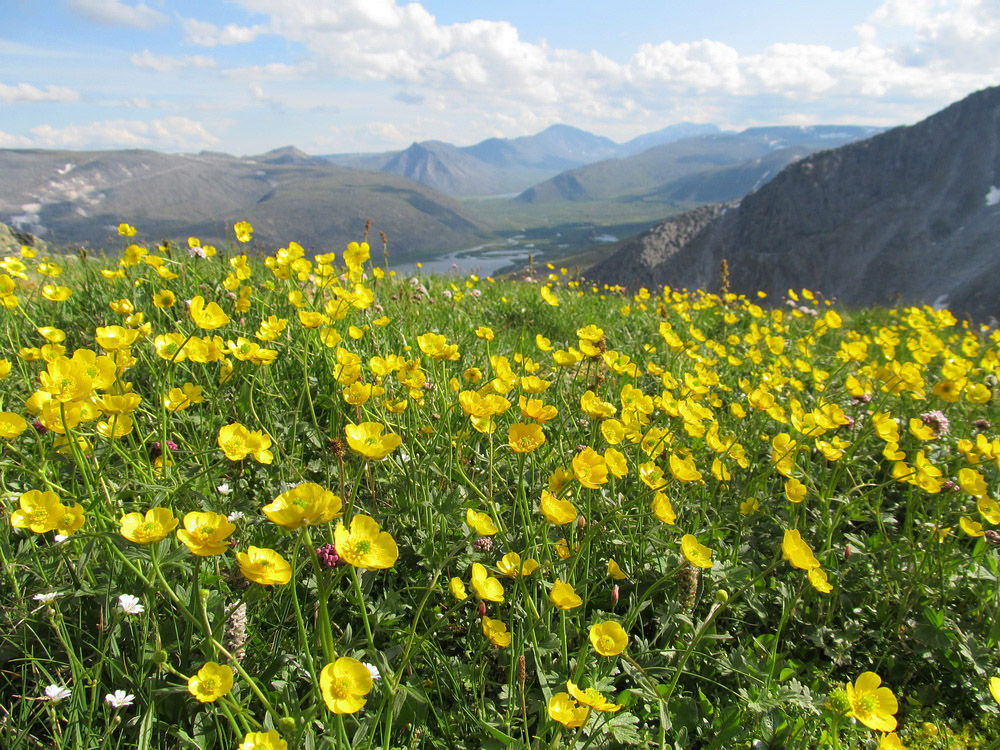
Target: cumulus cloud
[
  {"x": 118, "y": 13},
  {"x": 487, "y": 64},
  {"x": 22, "y": 93},
  {"x": 169, "y": 133},
  {"x": 170, "y": 63},
  {"x": 209, "y": 35}
]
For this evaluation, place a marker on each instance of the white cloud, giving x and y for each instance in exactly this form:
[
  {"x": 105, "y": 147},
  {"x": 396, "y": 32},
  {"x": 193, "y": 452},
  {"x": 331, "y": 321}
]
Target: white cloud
[
  {"x": 272, "y": 71},
  {"x": 170, "y": 63},
  {"x": 169, "y": 133},
  {"x": 24, "y": 92},
  {"x": 13, "y": 141},
  {"x": 209, "y": 35},
  {"x": 118, "y": 13}
]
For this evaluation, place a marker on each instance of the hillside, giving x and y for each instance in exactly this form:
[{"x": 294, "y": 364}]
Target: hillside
[
  {"x": 910, "y": 215},
  {"x": 760, "y": 152},
  {"x": 80, "y": 197}
]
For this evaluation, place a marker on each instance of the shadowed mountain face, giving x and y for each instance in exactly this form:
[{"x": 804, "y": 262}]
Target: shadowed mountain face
[
  {"x": 911, "y": 215},
  {"x": 81, "y": 197}
]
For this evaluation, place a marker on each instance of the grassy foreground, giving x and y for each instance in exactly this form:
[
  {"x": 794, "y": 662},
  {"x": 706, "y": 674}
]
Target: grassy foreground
[{"x": 307, "y": 503}]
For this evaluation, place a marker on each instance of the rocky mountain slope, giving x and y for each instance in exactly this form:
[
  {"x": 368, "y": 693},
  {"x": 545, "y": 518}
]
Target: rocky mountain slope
[
  {"x": 911, "y": 215},
  {"x": 81, "y": 197}
]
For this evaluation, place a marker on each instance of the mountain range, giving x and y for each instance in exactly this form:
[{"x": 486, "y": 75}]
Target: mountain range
[
  {"x": 911, "y": 215},
  {"x": 82, "y": 196},
  {"x": 509, "y": 165}
]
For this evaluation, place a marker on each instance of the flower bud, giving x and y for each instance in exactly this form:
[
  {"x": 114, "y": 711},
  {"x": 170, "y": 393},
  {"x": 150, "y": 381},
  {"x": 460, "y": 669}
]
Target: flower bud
[
  {"x": 722, "y": 596},
  {"x": 160, "y": 657}
]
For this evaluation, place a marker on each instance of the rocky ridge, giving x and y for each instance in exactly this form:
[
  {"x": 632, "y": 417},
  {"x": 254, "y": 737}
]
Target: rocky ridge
[{"x": 909, "y": 216}]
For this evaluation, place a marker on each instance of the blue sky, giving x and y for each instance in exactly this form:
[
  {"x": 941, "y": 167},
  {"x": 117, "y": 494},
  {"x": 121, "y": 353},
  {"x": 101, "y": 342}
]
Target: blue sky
[{"x": 332, "y": 76}]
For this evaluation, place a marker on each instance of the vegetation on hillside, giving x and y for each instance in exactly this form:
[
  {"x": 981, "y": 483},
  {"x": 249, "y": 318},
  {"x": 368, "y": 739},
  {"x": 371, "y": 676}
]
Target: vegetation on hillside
[{"x": 306, "y": 502}]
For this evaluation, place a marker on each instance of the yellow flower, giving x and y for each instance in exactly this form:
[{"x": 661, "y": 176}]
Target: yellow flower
[
  {"x": 126, "y": 230},
  {"x": 608, "y": 638},
  {"x": 819, "y": 581},
  {"x": 154, "y": 526},
  {"x": 564, "y": 709},
  {"x": 11, "y": 424},
  {"x": 205, "y": 533},
  {"x": 795, "y": 491},
  {"x": 243, "y": 231},
  {"x": 39, "y": 511},
  {"x": 365, "y": 545},
  {"x": 615, "y": 571},
  {"x": 264, "y": 566},
  {"x": 164, "y": 298},
  {"x": 684, "y": 469},
  {"x": 891, "y": 741},
  {"x": 307, "y": 504},
  {"x": 591, "y": 698},
  {"x": 211, "y": 682},
  {"x": 795, "y": 549},
  {"x": 590, "y": 468},
  {"x": 970, "y": 527},
  {"x": 496, "y": 631},
  {"x": 436, "y": 346},
  {"x": 995, "y": 689},
  {"x": 512, "y": 565},
  {"x": 481, "y": 523},
  {"x": 524, "y": 438},
  {"x": 208, "y": 317},
  {"x": 344, "y": 684},
  {"x": 458, "y": 589},
  {"x": 550, "y": 299},
  {"x": 366, "y": 439},
  {"x": 487, "y": 587},
  {"x": 543, "y": 343},
  {"x": 696, "y": 553},
  {"x": 872, "y": 705},
  {"x": 178, "y": 399},
  {"x": 237, "y": 442},
  {"x": 71, "y": 519},
  {"x": 664, "y": 509},
  {"x": 563, "y": 596},
  {"x": 485, "y": 333},
  {"x": 269, "y": 740},
  {"x": 556, "y": 511}
]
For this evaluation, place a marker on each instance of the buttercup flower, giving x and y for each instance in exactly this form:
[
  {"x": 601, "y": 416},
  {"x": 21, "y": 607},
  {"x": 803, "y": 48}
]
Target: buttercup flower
[
  {"x": 269, "y": 740},
  {"x": 481, "y": 523},
  {"x": 366, "y": 439},
  {"x": 563, "y": 596},
  {"x": 696, "y": 553},
  {"x": 486, "y": 586},
  {"x": 457, "y": 587},
  {"x": 511, "y": 565},
  {"x": 308, "y": 504},
  {"x": 872, "y": 705},
  {"x": 564, "y": 709},
  {"x": 211, "y": 682},
  {"x": 608, "y": 638},
  {"x": 264, "y": 566},
  {"x": 497, "y": 632},
  {"x": 995, "y": 689},
  {"x": 365, "y": 545},
  {"x": 591, "y": 698},
  {"x": 344, "y": 684},
  {"x": 205, "y": 533},
  {"x": 151, "y": 527},
  {"x": 39, "y": 511},
  {"x": 207, "y": 317},
  {"x": 556, "y": 511}
]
